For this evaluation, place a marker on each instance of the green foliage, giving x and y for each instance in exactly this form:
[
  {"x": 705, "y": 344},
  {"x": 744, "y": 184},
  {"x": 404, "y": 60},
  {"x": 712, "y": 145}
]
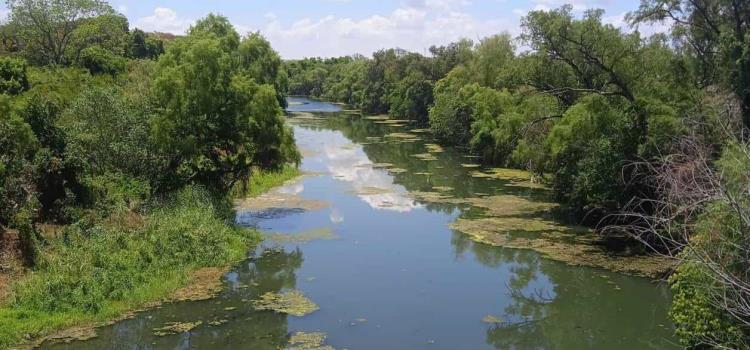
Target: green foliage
[
  {"x": 98, "y": 268},
  {"x": 144, "y": 46},
  {"x": 100, "y": 61},
  {"x": 17, "y": 143},
  {"x": 699, "y": 323},
  {"x": 13, "y": 78},
  {"x": 217, "y": 121},
  {"x": 43, "y": 29}
]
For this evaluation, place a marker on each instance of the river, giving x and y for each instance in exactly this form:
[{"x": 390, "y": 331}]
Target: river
[{"x": 391, "y": 274}]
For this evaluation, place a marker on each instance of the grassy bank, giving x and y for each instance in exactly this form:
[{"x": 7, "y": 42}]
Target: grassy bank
[
  {"x": 263, "y": 181},
  {"x": 96, "y": 271}
]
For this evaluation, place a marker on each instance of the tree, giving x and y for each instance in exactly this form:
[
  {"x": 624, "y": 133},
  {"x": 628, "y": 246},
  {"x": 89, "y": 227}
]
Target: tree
[
  {"x": 715, "y": 34},
  {"x": 44, "y": 28},
  {"x": 215, "y": 120}
]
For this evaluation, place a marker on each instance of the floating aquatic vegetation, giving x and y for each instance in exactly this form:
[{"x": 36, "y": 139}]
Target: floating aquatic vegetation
[
  {"x": 425, "y": 156},
  {"x": 73, "y": 334},
  {"x": 508, "y": 205},
  {"x": 443, "y": 188},
  {"x": 492, "y": 319},
  {"x": 397, "y": 170},
  {"x": 292, "y": 302},
  {"x": 308, "y": 341},
  {"x": 378, "y": 117},
  {"x": 559, "y": 243},
  {"x": 392, "y": 121},
  {"x": 205, "y": 284},
  {"x": 176, "y": 328},
  {"x": 510, "y": 174},
  {"x": 481, "y": 175},
  {"x": 401, "y": 135},
  {"x": 420, "y": 131},
  {"x": 283, "y": 197},
  {"x": 423, "y": 173},
  {"x": 324, "y": 233},
  {"x": 305, "y": 116},
  {"x": 470, "y": 166},
  {"x": 437, "y": 197},
  {"x": 216, "y": 323},
  {"x": 382, "y": 165},
  {"x": 372, "y": 190},
  {"x": 496, "y": 230},
  {"x": 434, "y": 148}
]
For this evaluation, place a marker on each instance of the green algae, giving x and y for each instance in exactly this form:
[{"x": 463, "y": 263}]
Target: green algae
[
  {"x": 371, "y": 190},
  {"x": 176, "y": 328},
  {"x": 378, "y": 117},
  {"x": 292, "y": 303},
  {"x": 492, "y": 319},
  {"x": 308, "y": 341},
  {"x": 401, "y": 135},
  {"x": 470, "y": 166},
  {"x": 324, "y": 233},
  {"x": 434, "y": 148},
  {"x": 420, "y": 131},
  {"x": 280, "y": 198},
  {"x": 305, "y": 116},
  {"x": 381, "y": 165},
  {"x": 425, "y": 156},
  {"x": 443, "y": 188},
  {"x": 559, "y": 243}
]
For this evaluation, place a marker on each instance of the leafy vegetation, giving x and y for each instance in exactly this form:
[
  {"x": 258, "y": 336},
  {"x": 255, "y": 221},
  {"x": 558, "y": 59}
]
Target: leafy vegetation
[{"x": 129, "y": 148}]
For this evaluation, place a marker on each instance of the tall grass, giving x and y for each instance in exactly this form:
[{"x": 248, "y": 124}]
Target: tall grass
[{"x": 97, "y": 271}]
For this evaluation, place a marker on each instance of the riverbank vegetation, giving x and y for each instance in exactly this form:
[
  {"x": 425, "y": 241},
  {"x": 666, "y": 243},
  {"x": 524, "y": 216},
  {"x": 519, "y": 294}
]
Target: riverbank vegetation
[
  {"x": 120, "y": 150},
  {"x": 644, "y": 137}
]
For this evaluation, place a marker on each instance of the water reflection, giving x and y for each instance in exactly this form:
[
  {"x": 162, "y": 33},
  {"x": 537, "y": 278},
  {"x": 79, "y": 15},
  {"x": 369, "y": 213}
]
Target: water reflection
[{"x": 348, "y": 162}]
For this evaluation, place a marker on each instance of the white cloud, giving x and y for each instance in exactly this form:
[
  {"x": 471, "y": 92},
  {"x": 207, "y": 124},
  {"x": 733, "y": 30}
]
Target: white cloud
[
  {"x": 415, "y": 26},
  {"x": 164, "y": 20}
]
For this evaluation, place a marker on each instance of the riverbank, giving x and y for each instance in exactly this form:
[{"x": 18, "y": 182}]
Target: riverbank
[{"x": 96, "y": 273}]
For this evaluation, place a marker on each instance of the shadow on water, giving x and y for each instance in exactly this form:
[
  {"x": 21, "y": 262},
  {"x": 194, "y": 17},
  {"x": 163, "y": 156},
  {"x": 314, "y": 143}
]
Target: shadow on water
[{"x": 398, "y": 277}]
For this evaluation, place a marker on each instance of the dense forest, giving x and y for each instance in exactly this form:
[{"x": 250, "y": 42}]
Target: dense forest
[
  {"x": 643, "y": 137},
  {"x": 120, "y": 149}
]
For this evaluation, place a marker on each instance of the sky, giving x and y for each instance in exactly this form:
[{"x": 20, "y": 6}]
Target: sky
[{"x": 326, "y": 28}]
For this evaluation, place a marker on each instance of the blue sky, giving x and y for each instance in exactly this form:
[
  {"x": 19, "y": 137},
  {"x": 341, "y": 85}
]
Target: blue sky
[{"x": 303, "y": 28}]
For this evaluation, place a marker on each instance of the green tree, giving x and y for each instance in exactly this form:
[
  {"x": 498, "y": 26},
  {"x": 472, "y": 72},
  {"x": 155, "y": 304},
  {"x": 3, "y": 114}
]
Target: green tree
[
  {"x": 714, "y": 34},
  {"x": 215, "y": 120},
  {"x": 44, "y": 29}
]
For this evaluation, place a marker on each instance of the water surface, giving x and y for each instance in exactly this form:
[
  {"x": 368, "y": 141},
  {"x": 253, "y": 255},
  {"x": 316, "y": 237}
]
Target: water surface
[{"x": 398, "y": 277}]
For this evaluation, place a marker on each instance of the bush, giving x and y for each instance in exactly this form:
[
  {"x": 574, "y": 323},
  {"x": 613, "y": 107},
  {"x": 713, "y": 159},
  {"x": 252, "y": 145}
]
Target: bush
[
  {"x": 100, "y": 61},
  {"x": 13, "y": 78}
]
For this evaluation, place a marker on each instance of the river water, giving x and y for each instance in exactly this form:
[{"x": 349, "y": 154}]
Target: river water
[{"x": 396, "y": 276}]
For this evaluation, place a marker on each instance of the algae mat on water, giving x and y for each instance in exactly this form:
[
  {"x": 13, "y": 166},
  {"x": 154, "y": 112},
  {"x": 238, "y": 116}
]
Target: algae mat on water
[
  {"x": 517, "y": 222},
  {"x": 308, "y": 341},
  {"x": 292, "y": 303},
  {"x": 283, "y": 197}
]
